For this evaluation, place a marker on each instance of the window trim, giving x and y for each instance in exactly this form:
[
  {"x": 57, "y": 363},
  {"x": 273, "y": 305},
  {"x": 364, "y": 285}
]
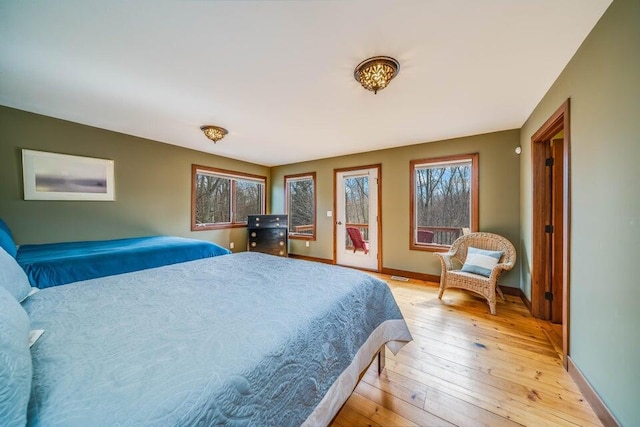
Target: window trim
[
  {"x": 475, "y": 195},
  {"x": 233, "y": 175},
  {"x": 294, "y": 177}
]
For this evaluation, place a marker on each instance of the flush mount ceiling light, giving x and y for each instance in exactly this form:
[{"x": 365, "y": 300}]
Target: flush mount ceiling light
[
  {"x": 375, "y": 73},
  {"x": 214, "y": 133}
]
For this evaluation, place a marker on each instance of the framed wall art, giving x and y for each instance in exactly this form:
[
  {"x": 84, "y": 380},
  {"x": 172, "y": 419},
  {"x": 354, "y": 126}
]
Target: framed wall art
[{"x": 53, "y": 176}]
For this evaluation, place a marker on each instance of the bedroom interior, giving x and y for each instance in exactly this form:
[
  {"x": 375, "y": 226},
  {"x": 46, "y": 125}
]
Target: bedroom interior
[{"x": 464, "y": 366}]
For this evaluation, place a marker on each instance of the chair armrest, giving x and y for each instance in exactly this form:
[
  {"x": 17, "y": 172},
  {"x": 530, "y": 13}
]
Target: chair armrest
[
  {"x": 498, "y": 268},
  {"x": 504, "y": 266},
  {"x": 446, "y": 259}
]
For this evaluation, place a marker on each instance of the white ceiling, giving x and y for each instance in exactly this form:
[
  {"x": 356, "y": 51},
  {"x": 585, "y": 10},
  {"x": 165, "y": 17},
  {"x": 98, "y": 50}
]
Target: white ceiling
[{"x": 279, "y": 74}]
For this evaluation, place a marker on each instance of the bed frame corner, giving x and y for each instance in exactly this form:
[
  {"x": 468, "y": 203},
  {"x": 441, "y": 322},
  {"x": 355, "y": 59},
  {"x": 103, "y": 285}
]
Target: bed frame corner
[{"x": 381, "y": 359}]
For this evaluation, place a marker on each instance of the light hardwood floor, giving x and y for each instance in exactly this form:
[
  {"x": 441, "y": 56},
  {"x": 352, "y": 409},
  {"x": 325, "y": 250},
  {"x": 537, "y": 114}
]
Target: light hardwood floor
[
  {"x": 466, "y": 367},
  {"x": 553, "y": 331}
]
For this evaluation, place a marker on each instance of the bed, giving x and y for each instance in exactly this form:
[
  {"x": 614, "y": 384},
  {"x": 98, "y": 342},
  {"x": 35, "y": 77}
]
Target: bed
[
  {"x": 245, "y": 339},
  {"x": 54, "y": 264},
  {"x": 60, "y": 263}
]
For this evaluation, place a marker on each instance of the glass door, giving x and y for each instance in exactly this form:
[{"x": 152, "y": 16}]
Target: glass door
[{"x": 356, "y": 225}]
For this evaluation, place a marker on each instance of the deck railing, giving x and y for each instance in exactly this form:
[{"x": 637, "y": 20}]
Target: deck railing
[
  {"x": 430, "y": 234},
  {"x": 303, "y": 229}
]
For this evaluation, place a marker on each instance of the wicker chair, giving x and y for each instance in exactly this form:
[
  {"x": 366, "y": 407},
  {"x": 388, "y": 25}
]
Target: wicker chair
[{"x": 452, "y": 277}]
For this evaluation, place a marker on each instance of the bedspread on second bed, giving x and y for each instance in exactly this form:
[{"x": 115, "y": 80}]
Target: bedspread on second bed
[
  {"x": 55, "y": 264},
  {"x": 245, "y": 339}
]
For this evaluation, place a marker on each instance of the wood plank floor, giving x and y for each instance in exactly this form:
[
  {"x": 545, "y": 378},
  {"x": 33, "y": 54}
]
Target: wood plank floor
[
  {"x": 466, "y": 367},
  {"x": 553, "y": 331}
]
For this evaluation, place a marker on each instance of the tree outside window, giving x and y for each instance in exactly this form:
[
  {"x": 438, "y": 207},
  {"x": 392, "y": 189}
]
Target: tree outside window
[
  {"x": 444, "y": 199},
  {"x": 356, "y": 194},
  {"x": 300, "y": 195},
  {"x": 248, "y": 199},
  {"x": 222, "y": 199}
]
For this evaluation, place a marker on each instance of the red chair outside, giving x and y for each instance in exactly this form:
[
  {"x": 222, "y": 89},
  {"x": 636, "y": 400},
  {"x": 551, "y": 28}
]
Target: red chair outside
[
  {"x": 358, "y": 241},
  {"x": 425, "y": 236}
]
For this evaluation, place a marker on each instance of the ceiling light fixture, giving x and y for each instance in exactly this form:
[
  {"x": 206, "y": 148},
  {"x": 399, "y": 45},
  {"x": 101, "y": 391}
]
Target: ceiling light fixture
[
  {"x": 214, "y": 133},
  {"x": 375, "y": 73}
]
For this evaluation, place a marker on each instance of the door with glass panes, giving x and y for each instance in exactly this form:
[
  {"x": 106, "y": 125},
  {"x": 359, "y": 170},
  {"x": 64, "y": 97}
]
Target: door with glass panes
[{"x": 357, "y": 218}]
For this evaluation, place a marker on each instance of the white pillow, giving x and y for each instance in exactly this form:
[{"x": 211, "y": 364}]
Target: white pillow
[
  {"x": 481, "y": 261},
  {"x": 15, "y": 364},
  {"x": 12, "y": 277}
]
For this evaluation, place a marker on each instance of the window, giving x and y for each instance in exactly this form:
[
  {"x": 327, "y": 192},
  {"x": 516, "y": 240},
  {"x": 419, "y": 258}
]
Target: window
[
  {"x": 222, "y": 199},
  {"x": 300, "y": 194},
  {"x": 444, "y": 200}
]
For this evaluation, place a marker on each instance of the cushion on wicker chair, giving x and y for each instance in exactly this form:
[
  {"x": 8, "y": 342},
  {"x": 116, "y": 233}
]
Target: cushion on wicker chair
[{"x": 481, "y": 261}]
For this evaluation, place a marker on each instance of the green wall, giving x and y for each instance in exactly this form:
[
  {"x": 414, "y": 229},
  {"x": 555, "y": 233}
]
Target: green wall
[
  {"x": 153, "y": 184},
  {"x": 603, "y": 82},
  {"x": 499, "y": 195}
]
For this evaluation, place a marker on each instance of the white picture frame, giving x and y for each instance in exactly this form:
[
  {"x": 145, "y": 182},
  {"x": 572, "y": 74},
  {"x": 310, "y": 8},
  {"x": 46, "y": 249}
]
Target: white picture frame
[{"x": 53, "y": 176}]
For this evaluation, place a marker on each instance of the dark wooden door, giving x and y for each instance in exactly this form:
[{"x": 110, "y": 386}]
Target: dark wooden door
[
  {"x": 550, "y": 203},
  {"x": 557, "y": 200},
  {"x": 550, "y": 232}
]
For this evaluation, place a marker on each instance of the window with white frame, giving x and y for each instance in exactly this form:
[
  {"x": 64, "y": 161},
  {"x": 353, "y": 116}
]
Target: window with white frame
[
  {"x": 221, "y": 198},
  {"x": 444, "y": 200},
  {"x": 300, "y": 195}
]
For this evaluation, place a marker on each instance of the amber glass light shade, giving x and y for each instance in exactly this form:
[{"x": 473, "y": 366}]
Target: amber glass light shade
[
  {"x": 214, "y": 133},
  {"x": 375, "y": 73}
]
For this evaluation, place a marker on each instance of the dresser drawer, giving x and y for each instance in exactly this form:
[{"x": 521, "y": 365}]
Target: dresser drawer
[
  {"x": 270, "y": 249},
  {"x": 268, "y": 240},
  {"x": 267, "y": 234},
  {"x": 267, "y": 221}
]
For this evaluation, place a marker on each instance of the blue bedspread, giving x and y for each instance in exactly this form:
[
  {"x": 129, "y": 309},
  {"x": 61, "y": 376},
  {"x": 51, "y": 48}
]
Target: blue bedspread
[
  {"x": 242, "y": 340},
  {"x": 59, "y": 263}
]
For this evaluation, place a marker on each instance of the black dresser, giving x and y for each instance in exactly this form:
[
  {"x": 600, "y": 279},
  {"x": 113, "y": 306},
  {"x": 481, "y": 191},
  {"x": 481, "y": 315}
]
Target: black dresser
[{"x": 268, "y": 234}]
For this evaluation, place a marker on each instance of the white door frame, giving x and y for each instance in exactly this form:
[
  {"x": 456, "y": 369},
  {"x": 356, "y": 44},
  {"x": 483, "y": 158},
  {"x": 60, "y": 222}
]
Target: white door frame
[{"x": 342, "y": 256}]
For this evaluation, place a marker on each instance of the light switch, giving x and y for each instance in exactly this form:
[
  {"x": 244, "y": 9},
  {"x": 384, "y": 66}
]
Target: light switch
[{"x": 329, "y": 214}]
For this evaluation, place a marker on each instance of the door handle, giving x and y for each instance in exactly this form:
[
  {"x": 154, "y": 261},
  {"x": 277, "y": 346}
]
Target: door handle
[{"x": 339, "y": 222}]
